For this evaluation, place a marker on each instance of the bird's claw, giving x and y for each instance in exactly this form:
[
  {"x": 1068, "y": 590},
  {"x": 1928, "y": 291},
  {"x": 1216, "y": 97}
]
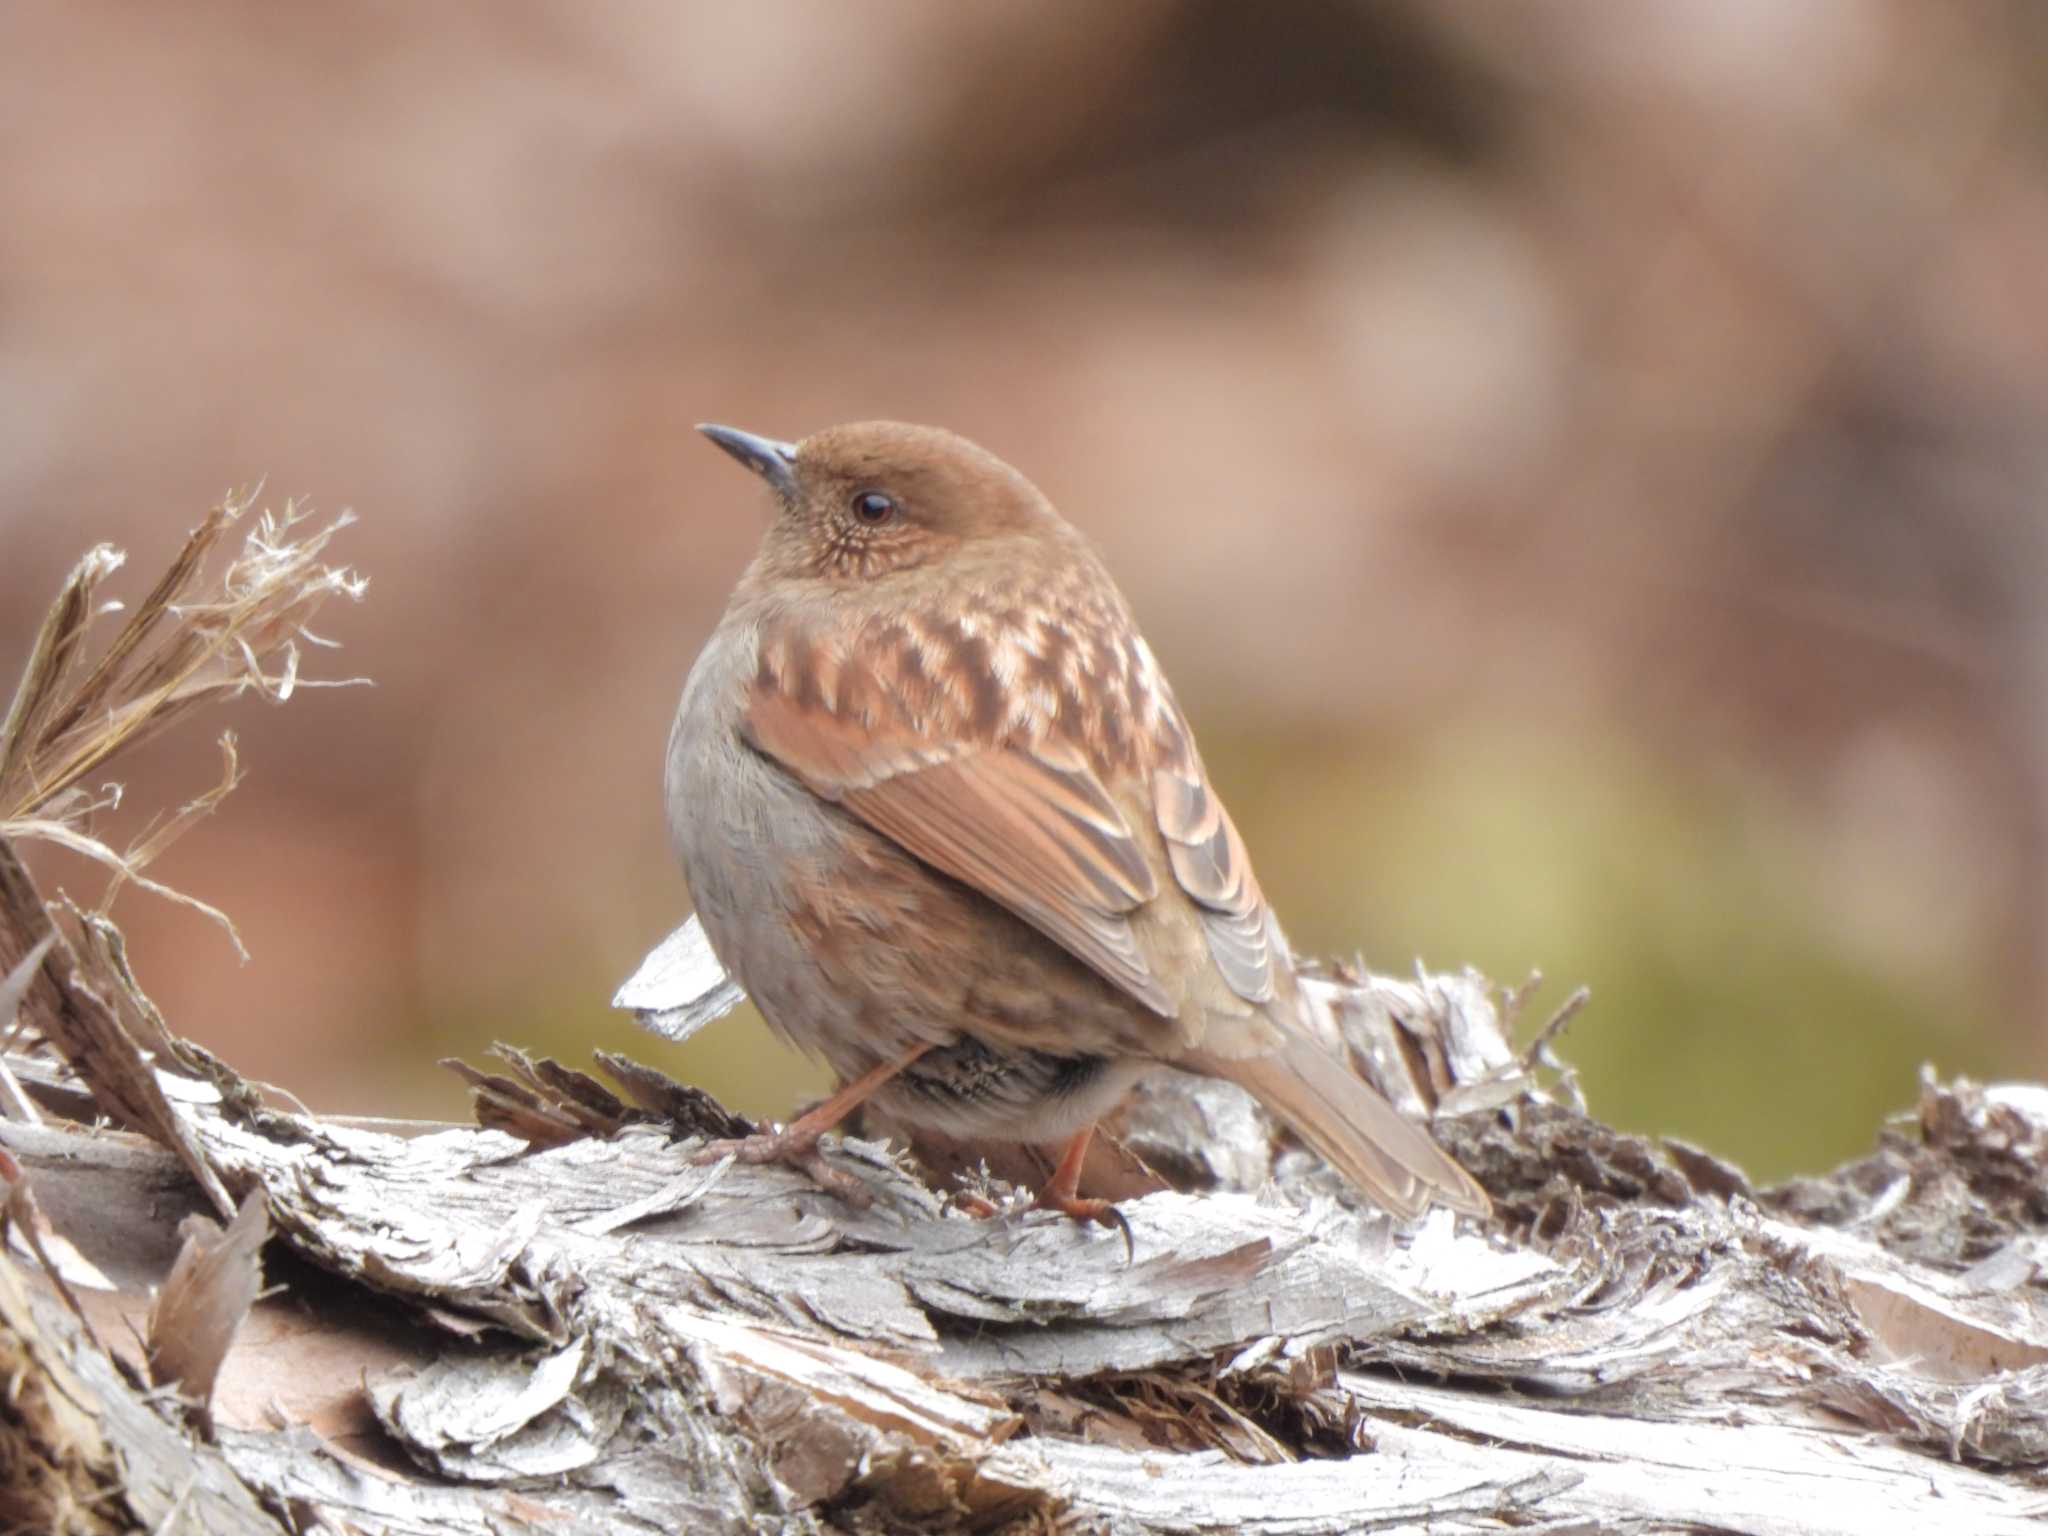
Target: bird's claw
[
  {"x": 1101, "y": 1212},
  {"x": 795, "y": 1151}
]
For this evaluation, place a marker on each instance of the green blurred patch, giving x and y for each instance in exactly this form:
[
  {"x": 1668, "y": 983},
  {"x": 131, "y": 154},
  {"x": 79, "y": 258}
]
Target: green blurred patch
[{"x": 1724, "y": 1009}]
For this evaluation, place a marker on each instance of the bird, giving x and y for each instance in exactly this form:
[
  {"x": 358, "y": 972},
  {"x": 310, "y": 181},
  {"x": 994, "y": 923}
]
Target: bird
[{"x": 944, "y": 821}]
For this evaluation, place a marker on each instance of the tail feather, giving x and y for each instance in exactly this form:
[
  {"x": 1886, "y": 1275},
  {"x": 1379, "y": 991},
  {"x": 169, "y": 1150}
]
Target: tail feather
[{"x": 1355, "y": 1130}]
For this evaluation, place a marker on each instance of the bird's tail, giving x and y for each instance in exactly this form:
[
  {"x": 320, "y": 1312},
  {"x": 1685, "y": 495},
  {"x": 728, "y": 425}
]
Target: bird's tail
[{"x": 1356, "y": 1131}]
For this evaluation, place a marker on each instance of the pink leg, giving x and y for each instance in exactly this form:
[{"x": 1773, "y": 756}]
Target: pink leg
[
  {"x": 797, "y": 1143},
  {"x": 1062, "y": 1191}
]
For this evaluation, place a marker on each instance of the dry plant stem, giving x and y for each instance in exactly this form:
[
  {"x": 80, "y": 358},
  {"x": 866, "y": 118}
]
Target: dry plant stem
[
  {"x": 176, "y": 650},
  {"x": 13, "y": 990},
  {"x": 181, "y": 647},
  {"x": 1538, "y": 1052},
  {"x": 56, "y": 652},
  {"x": 19, "y": 1105},
  {"x": 170, "y": 830}
]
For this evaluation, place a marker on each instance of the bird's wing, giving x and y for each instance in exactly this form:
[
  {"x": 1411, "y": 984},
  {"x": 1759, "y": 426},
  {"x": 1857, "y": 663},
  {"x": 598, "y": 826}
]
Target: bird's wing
[
  {"x": 1211, "y": 865},
  {"x": 1024, "y": 813},
  {"x": 1025, "y": 822}
]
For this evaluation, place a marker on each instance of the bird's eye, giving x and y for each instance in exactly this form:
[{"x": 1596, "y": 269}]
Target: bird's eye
[{"x": 873, "y": 508}]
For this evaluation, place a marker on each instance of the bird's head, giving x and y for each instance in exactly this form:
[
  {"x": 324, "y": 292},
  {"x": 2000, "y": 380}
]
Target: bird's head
[{"x": 867, "y": 501}]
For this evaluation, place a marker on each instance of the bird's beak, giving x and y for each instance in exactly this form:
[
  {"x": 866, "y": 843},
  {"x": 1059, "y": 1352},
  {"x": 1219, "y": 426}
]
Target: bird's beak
[{"x": 772, "y": 461}]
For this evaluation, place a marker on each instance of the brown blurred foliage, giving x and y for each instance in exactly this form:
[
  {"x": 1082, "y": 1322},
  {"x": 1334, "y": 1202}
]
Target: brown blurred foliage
[{"x": 1582, "y": 465}]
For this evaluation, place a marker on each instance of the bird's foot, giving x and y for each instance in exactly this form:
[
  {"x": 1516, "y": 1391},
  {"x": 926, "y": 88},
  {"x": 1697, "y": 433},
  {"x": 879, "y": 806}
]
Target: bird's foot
[
  {"x": 796, "y": 1144},
  {"x": 1100, "y": 1212},
  {"x": 796, "y": 1148}
]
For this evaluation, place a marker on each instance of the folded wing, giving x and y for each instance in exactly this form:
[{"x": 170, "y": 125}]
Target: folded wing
[{"x": 1028, "y": 825}]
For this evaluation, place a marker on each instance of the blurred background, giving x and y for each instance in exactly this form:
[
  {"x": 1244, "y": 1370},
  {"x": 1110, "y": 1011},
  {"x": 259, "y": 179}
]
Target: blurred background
[{"x": 1582, "y": 465}]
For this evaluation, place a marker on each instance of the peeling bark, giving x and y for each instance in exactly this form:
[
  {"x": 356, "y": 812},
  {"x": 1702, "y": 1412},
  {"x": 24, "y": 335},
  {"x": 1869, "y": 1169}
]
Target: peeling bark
[{"x": 577, "y": 1329}]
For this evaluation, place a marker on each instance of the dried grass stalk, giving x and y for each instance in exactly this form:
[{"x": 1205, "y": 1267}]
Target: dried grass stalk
[{"x": 188, "y": 643}]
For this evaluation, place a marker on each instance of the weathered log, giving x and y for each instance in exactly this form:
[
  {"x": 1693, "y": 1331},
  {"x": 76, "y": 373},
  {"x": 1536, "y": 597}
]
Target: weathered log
[{"x": 471, "y": 1333}]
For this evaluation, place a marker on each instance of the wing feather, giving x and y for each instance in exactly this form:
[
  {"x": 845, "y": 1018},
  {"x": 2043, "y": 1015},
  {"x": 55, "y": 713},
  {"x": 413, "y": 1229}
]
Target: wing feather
[
  {"x": 1036, "y": 833},
  {"x": 1210, "y": 863}
]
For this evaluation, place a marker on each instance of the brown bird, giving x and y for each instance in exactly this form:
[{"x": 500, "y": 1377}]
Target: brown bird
[{"x": 945, "y": 823}]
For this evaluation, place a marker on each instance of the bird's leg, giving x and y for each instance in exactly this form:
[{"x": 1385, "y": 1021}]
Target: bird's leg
[
  {"x": 797, "y": 1143},
  {"x": 1062, "y": 1191}
]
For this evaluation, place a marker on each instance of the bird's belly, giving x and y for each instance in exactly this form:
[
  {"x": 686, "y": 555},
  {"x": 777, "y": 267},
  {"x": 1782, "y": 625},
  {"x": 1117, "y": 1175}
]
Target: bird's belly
[
  {"x": 976, "y": 1091},
  {"x": 855, "y": 953}
]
